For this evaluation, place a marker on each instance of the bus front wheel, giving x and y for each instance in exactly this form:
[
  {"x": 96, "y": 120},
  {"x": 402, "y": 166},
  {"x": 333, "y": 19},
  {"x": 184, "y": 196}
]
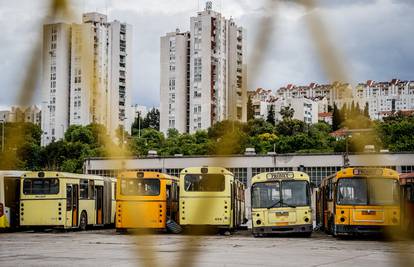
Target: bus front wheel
[{"x": 83, "y": 221}]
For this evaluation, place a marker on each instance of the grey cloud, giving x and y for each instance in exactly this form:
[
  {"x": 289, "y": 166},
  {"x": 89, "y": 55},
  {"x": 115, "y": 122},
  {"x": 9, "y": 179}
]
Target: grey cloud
[{"x": 375, "y": 38}]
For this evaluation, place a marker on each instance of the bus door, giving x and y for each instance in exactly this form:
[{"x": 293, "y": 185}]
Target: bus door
[
  {"x": 325, "y": 206},
  {"x": 72, "y": 204},
  {"x": 169, "y": 201},
  {"x": 12, "y": 199},
  {"x": 99, "y": 204}
]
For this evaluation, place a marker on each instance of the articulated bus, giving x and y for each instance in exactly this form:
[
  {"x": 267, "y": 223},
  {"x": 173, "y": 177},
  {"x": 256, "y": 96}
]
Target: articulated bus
[
  {"x": 359, "y": 201},
  {"x": 9, "y": 198},
  {"x": 407, "y": 203},
  {"x": 146, "y": 200},
  {"x": 66, "y": 200},
  {"x": 281, "y": 203},
  {"x": 211, "y": 197}
]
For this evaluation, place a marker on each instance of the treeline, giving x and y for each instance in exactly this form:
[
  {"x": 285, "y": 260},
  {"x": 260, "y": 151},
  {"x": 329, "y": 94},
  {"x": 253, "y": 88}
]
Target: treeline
[{"x": 22, "y": 148}]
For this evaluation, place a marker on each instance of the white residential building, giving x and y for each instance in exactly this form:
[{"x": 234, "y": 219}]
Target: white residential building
[
  {"x": 332, "y": 92},
  {"x": 175, "y": 81},
  {"x": 120, "y": 75},
  {"x": 386, "y": 98},
  {"x": 262, "y": 100},
  {"x": 86, "y": 75},
  {"x": 56, "y": 81},
  {"x": 30, "y": 114},
  {"x": 305, "y": 109},
  {"x": 205, "y": 71}
]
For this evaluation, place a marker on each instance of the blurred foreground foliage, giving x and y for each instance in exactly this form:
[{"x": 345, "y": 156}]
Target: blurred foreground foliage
[{"x": 23, "y": 151}]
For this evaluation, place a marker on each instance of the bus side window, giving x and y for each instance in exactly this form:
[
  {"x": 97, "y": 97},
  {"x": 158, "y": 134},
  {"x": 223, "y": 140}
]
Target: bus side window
[
  {"x": 68, "y": 198},
  {"x": 83, "y": 189},
  {"x": 330, "y": 190},
  {"x": 168, "y": 192},
  {"x": 91, "y": 190}
]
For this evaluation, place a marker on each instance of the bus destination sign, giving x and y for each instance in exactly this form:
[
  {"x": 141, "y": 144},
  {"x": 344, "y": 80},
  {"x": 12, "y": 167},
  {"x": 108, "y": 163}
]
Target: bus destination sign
[{"x": 279, "y": 175}]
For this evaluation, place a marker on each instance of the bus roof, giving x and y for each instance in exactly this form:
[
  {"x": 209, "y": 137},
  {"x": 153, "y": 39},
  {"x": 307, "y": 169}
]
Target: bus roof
[
  {"x": 279, "y": 176},
  {"x": 146, "y": 175},
  {"x": 49, "y": 174},
  {"x": 12, "y": 173},
  {"x": 205, "y": 169},
  {"x": 364, "y": 172}
]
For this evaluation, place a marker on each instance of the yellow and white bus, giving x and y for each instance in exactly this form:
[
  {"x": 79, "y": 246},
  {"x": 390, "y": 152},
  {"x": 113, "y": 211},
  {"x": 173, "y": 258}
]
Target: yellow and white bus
[
  {"x": 9, "y": 198},
  {"x": 211, "y": 197},
  {"x": 146, "y": 200},
  {"x": 359, "y": 201},
  {"x": 281, "y": 203},
  {"x": 66, "y": 200}
]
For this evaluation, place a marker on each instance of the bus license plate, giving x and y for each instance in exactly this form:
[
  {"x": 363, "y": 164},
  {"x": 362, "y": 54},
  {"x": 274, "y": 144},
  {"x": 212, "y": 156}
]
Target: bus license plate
[
  {"x": 282, "y": 224},
  {"x": 369, "y": 212}
]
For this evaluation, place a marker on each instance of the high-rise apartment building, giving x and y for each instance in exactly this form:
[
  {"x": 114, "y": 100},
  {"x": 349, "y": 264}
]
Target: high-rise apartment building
[
  {"x": 175, "y": 81},
  {"x": 86, "y": 75},
  {"x": 203, "y": 74},
  {"x": 56, "y": 81}
]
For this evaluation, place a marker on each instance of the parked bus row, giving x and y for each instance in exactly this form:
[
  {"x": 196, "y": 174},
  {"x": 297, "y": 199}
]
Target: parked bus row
[{"x": 351, "y": 201}]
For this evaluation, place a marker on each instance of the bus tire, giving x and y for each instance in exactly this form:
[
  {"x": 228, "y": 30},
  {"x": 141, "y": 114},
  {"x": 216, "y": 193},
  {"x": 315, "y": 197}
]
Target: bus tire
[{"x": 83, "y": 222}]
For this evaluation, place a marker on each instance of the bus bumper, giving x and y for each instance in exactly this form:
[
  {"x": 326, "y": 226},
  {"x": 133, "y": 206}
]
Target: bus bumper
[
  {"x": 288, "y": 229},
  {"x": 365, "y": 229}
]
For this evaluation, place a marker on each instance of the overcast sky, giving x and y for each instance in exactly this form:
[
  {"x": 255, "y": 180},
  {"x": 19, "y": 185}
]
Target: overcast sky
[{"x": 375, "y": 39}]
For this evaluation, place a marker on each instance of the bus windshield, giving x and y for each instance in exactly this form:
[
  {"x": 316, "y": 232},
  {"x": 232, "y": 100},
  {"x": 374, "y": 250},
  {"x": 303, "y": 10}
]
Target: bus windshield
[
  {"x": 208, "y": 182},
  {"x": 140, "y": 187},
  {"x": 40, "y": 186},
  {"x": 362, "y": 191},
  {"x": 290, "y": 193}
]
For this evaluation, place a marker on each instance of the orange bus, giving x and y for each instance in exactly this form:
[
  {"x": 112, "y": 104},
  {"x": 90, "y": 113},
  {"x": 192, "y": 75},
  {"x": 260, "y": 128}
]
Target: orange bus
[
  {"x": 146, "y": 200},
  {"x": 359, "y": 201}
]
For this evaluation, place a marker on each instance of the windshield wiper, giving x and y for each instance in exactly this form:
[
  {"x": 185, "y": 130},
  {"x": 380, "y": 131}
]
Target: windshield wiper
[
  {"x": 282, "y": 204},
  {"x": 274, "y": 204}
]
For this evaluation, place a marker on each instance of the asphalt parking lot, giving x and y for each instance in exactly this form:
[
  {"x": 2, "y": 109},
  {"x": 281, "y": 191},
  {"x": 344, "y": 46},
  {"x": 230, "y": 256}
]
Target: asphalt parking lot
[{"x": 108, "y": 248}]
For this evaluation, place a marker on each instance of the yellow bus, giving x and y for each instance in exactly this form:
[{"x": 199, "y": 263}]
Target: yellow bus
[
  {"x": 359, "y": 201},
  {"x": 211, "y": 197},
  {"x": 146, "y": 200},
  {"x": 281, "y": 203},
  {"x": 66, "y": 200},
  {"x": 9, "y": 198}
]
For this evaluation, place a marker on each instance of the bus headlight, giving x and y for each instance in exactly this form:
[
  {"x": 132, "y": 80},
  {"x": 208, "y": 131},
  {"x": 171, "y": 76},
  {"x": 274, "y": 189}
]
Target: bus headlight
[
  {"x": 258, "y": 222},
  {"x": 394, "y": 220},
  {"x": 306, "y": 219},
  {"x": 342, "y": 219}
]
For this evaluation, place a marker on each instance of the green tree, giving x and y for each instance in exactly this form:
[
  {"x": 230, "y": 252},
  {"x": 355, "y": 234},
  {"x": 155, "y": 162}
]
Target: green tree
[
  {"x": 150, "y": 139},
  {"x": 290, "y": 127},
  {"x": 78, "y": 133},
  {"x": 152, "y": 120},
  {"x": 396, "y": 132},
  {"x": 336, "y": 118},
  {"x": 287, "y": 112},
  {"x": 258, "y": 126},
  {"x": 366, "y": 110},
  {"x": 271, "y": 115},
  {"x": 250, "y": 109}
]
